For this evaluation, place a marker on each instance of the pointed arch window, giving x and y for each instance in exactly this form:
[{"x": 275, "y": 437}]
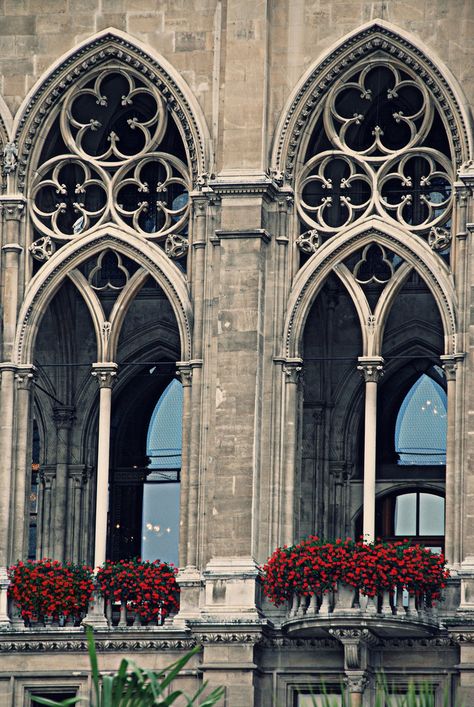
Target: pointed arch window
[{"x": 420, "y": 430}]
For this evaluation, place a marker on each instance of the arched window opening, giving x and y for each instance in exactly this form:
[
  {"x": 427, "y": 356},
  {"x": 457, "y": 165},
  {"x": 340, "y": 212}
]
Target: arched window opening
[
  {"x": 160, "y": 515},
  {"x": 420, "y": 430},
  {"x": 413, "y": 515}
]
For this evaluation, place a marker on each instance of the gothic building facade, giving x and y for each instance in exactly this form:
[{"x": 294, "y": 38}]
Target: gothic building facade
[{"x": 236, "y": 294}]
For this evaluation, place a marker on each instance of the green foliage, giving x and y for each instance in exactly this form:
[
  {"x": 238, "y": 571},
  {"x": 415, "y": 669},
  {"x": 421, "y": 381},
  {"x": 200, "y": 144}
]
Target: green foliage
[{"x": 132, "y": 686}]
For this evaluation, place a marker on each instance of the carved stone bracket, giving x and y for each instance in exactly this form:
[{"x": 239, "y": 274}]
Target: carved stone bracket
[
  {"x": 185, "y": 373},
  {"x": 371, "y": 369},
  {"x": 450, "y": 364},
  {"x": 356, "y": 642},
  {"x": 105, "y": 373}
]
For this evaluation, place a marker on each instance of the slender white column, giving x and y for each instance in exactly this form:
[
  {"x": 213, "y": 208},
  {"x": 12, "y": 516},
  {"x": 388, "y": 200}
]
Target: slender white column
[
  {"x": 452, "y": 507},
  {"x": 371, "y": 370},
  {"x": 22, "y": 480},
  {"x": 185, "y": 373},
  {"x": 106, "y": 374},
  {"x": 292, "y": 371}
]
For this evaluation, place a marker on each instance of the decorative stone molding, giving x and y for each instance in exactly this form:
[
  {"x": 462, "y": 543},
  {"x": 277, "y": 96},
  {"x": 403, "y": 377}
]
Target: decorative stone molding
[
  {"x": 302, "y": 644},
  {"x": 450, "y": 364},
  {"x": 371, "y": 369},
  {"x": 356, "y": 682},
  {"x": 68, "y": 644},
  {"x": 185, "y": 373},
  {"x": 10, "y": 158},
  {"x": 229, "y": 638}
]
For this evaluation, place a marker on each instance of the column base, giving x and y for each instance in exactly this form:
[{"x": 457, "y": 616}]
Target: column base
[
  {"x": 95, "y": 617},
  {"x": 231, "y": 588},
  {"x": 190, "y": 584}
]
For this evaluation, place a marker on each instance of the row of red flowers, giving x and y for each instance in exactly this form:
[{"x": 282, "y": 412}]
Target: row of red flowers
[
  {"x": 148, "y": 588},
  {"x": 314, "y": 566},
  {"x": 51, "y": 589}
]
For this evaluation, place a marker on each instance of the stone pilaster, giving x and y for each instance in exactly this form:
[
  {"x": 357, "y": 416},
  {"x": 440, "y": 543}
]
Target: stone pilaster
[{"x": 63, "y": 418}]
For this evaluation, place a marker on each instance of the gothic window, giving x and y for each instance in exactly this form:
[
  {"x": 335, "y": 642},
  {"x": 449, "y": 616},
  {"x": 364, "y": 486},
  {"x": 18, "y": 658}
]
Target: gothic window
[
  {"x": 113, "y": 154},
  {"x": 420, "y": 431},
  {"x": 377, "y": 146}
]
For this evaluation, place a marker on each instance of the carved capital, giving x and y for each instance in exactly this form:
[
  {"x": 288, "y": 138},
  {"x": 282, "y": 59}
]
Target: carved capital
[
  {"x": 79, "y": 475},
  {"x": 293, "y": 370},
  {"x": 25, "y": 377},
  {"x": 356, "y": 682},
  {"x": 63, "y": 416},
  {"x": 450, "y": 364},
  {"x": 371, "y": 369},
  {"x": 47, "y": 476},
  {"x": 185, "y": 373},
  {"x": 105, "y": 373},
  {"x": 12, "y": 207}
]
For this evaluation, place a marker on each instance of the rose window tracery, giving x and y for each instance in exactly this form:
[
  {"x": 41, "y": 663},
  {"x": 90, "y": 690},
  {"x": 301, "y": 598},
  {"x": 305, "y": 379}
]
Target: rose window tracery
[
  {"x": 118, "y": 158},
  {"x": 377, "y": 146}
]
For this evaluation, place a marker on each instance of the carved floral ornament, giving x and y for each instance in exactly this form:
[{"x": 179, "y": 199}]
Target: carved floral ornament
[
  {"x": 107, "y": 161},
  {"x": 377, "y": 146}
]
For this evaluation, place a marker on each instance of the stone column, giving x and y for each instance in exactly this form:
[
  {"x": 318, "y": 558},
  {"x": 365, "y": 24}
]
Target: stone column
[
  {"x": 371, "y": 370},
  {"x": 45, "y": 516},
  {"x": 292, "y": 375},
  {"x": 185, "y": 374},
  {"x": 452, "y": 509},
  {"x": 22, "y": 484},
  {"x": 106, "y": 375},
  {"x": 63, "y": 417},
  {"x": 7, "y": 402}
]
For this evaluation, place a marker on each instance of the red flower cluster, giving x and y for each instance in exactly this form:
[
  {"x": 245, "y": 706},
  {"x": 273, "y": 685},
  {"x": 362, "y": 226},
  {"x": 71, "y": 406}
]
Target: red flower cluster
[
  {"x": 50, "y": 589},
  {"x": 148, "y": 588},
  {"x": 315, "y": 567}
]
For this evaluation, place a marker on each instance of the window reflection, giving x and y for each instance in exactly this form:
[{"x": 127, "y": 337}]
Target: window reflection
[
  {"x": 420, "y": 431},
  {"x": 160, "y": 515}
]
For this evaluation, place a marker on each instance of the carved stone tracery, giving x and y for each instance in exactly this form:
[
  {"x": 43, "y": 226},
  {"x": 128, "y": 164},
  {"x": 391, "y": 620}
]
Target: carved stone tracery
[
  {"x": 372, "y": 154},
  {"x": 111, "y": 125}
]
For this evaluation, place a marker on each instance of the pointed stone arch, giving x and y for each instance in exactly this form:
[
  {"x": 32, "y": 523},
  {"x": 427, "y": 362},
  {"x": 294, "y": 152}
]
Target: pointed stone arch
[
  {"x": 106, "y": 46},
  {"x": 413, "y": 250},
  {"x": 376, "y": 36},
  {"x": 47, "y": 281}
]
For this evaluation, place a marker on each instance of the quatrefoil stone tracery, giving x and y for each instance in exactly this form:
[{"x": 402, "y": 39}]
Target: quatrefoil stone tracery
[
  {"x": 379, "y": 122},
  {"x": 112, "y": 128}
]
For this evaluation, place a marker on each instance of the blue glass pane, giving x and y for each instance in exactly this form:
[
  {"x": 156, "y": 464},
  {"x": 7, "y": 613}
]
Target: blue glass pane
[
  {"x": 420, "y": 431},
  {"x": 160, "y": 522},
  {"x": 163, "y": 442}
]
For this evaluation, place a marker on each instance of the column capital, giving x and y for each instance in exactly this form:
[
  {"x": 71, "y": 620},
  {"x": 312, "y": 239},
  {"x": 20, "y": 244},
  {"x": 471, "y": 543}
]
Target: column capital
[
  {"x": 47, "y": 476},
  {"x": 450, "y": 363},
  {"x": 25, "y": 377},
  {"x": 12, "y": 248},
  {"x": 185, "y": 373},
  {"x": 105, "y": 373},
  {"x": 13, "y": 207},
  {"x": 63, "y": 416},
  {"x": 371, "y": 368},
  {"x": 292, "y": 368}
]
